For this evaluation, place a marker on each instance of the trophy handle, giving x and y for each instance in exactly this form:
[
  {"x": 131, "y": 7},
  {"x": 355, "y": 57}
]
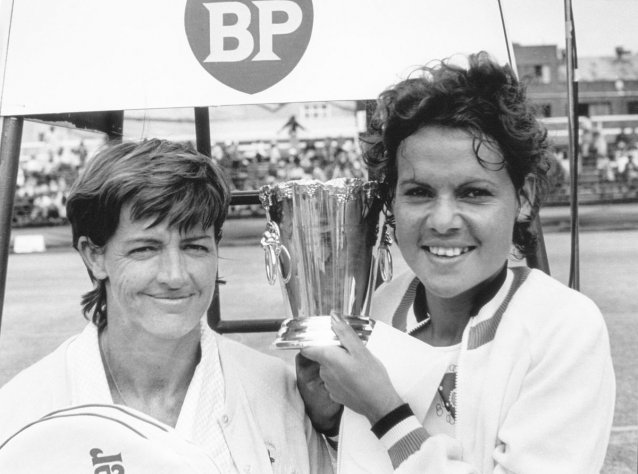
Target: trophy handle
[
  {"x": 385, "y": 263},
  {"x": 270, "y": 259},
  {"x": 274, "y": 251},
  {"x": 385, "y": 257}
]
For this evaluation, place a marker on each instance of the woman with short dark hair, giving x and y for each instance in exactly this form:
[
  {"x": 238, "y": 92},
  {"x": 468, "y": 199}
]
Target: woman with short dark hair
[{"x": 146, "y": 219}]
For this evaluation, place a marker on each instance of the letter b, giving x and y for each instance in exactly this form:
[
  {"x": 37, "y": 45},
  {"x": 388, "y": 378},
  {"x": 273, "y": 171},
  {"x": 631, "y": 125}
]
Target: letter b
[{"x": 219, "y": 31}]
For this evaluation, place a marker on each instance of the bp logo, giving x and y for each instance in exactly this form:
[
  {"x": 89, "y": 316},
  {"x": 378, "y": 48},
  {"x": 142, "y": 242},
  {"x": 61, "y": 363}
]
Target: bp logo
[{"x": 248, "y": 45}]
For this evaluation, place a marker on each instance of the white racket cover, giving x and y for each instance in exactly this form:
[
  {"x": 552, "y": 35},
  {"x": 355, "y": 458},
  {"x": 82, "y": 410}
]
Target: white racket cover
[{"x": 93, "y": 439}]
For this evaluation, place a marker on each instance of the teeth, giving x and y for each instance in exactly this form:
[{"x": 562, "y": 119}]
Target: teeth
[{"x": 448, "y": 251}]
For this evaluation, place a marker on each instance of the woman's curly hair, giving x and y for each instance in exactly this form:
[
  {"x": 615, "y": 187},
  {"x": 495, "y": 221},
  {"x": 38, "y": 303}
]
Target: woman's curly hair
[{"x": 485, "y": 99}]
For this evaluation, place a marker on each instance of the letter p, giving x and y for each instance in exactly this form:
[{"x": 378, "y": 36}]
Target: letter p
[{"x": 267, "y": 29}]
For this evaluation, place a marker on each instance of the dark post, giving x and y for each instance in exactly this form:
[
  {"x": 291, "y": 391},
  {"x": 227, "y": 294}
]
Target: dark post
[
  {"x": 9, "y": 163},
  {"x": 572, "y": 120},
  {"x": 202, "y": 130},
  {"x": 202, "y": 138},
  {"x": 539, "y": 259},
  {"x": 114, "y": 124}
]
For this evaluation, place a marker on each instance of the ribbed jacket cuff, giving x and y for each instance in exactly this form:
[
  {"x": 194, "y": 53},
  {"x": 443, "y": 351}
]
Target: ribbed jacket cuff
[
  {"x": 407, "y": 445},
  {"x": 401, "y": 433}
]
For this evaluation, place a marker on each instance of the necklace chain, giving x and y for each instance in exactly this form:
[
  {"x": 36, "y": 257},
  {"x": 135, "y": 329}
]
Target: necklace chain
[{"x": 110, "y": 373}]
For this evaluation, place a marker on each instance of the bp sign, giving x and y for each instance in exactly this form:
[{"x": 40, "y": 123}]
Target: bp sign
[
  {"x": 248, "y": 45},
  {"x": 185, "y": 53}
]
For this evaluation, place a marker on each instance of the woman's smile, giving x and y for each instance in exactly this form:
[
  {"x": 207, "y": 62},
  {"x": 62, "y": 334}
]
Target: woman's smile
[
  {"x": 446, "y": 252},
  {"x": 172, "y": 299}
]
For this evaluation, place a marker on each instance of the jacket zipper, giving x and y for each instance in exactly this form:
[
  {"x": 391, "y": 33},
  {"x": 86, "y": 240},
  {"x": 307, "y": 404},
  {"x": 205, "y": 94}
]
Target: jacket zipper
[{"x": 458, "y": 378}]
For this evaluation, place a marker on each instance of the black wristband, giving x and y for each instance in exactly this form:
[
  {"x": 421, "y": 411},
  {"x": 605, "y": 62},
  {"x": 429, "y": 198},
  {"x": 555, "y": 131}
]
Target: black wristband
[{"x": 389, "y": 421}]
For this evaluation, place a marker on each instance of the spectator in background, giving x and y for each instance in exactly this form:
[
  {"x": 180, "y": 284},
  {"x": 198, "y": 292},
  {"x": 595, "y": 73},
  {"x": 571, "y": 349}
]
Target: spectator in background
[
  {"x": 306, "y": 156},
  {"x": 293, "y": 168},
  {"x": 82, "y": 153},
  {"x": 341, "y": 167},
  {"x": 586, "y": 153},
  {"x": 556, "y": 174},
  {"x": 621, "y": 158},
  {"x": 626, "y": 135},
  {"x": 317, "y": 169},
  {"x": 598, "y": 146},
  {"x": 273, "y": 153},
  {"x": 292, "y": 125},
  {"x": 631, "y": 171},
  {"x": 605, "y": 169}
]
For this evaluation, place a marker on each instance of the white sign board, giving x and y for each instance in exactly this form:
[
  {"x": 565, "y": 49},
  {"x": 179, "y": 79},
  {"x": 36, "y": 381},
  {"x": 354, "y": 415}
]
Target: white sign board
[
  {"x": 93, "y": 55},
  {"x": 29, "y": 243}
]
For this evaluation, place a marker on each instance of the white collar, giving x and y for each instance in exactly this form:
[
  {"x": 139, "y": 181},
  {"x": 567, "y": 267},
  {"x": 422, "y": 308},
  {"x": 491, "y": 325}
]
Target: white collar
[{"x": 205, "y": 395}]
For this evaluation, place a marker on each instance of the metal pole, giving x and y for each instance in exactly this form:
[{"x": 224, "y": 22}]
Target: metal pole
[
  {"x": 572, "y": 120},
  {"x": 539, "y": 259},
  {"x": 203, "y": 145},
  {"x": 9, "y": 163},
  {"x": 202, "y": 130},
  {"x": 511, "y": 57},
  {"x": 114, "y": 125}
]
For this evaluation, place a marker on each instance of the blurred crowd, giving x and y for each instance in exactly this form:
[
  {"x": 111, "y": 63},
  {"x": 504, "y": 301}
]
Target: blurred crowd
[
  {"x": 260, "y": 163},
  {"x": 614, "y": 162},
  {"x": 608, "y": 166},
  {"x": 49, "y": 168}
]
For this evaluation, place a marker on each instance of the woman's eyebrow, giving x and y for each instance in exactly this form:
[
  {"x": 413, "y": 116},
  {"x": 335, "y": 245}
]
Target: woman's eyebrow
[
  {"x": 197, "y": 237},
  {"x": 479, "y": 181},
  {"x": 412, "y": 181},
  {"x": 142, "y": 240}
]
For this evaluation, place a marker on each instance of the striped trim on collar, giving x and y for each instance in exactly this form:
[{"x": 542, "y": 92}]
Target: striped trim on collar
[
  {"x": 480, "y": 334},
  {"x": 485, "y": 331},
  {"x": 400, "y": 317}
]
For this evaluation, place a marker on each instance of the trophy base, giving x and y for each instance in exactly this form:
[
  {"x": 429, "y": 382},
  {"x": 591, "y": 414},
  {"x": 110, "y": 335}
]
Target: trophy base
[{"x": 313, "y": 331}]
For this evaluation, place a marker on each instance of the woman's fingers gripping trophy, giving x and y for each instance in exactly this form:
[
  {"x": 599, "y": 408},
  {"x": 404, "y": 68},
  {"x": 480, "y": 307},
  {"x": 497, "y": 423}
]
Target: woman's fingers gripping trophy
[{"x": 353, "y": 375}]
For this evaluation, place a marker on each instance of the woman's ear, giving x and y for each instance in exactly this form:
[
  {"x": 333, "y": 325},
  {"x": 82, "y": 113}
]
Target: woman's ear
[
  {"x": 526, "y": 198},
  {"x": 93, "y": 257}
]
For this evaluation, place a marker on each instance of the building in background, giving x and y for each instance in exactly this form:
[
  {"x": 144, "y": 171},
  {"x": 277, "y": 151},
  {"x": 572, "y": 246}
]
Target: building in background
[{"x": 607, "y": 89}]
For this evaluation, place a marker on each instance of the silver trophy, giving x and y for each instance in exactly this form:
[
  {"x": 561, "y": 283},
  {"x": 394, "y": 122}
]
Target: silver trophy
[{"x": 322, "y": 243}]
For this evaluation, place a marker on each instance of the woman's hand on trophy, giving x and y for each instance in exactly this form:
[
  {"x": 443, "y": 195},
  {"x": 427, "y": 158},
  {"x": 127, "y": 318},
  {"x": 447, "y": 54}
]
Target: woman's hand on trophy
[
  {"x": 323, "y": 411},
  {"x": 353, "y": 375}
]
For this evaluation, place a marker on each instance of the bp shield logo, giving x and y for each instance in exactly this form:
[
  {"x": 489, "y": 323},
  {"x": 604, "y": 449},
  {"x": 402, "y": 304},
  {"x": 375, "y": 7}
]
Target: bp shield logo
[{"x": 249, "y": 45}]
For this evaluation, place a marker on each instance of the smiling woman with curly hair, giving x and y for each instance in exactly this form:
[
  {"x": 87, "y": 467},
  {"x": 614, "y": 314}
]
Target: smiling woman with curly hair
[{"x": 505, "y": 351}]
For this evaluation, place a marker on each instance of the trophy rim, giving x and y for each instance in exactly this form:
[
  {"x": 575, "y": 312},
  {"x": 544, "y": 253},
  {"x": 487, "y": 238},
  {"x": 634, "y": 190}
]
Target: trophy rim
[{"x": 316, "y": 331}]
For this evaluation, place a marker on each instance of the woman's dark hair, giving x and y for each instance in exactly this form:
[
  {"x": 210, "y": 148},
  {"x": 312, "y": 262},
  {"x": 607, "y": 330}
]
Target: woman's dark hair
[
  {"x": 485, "y": 99},
  {"x": 160, "y": 179}
]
